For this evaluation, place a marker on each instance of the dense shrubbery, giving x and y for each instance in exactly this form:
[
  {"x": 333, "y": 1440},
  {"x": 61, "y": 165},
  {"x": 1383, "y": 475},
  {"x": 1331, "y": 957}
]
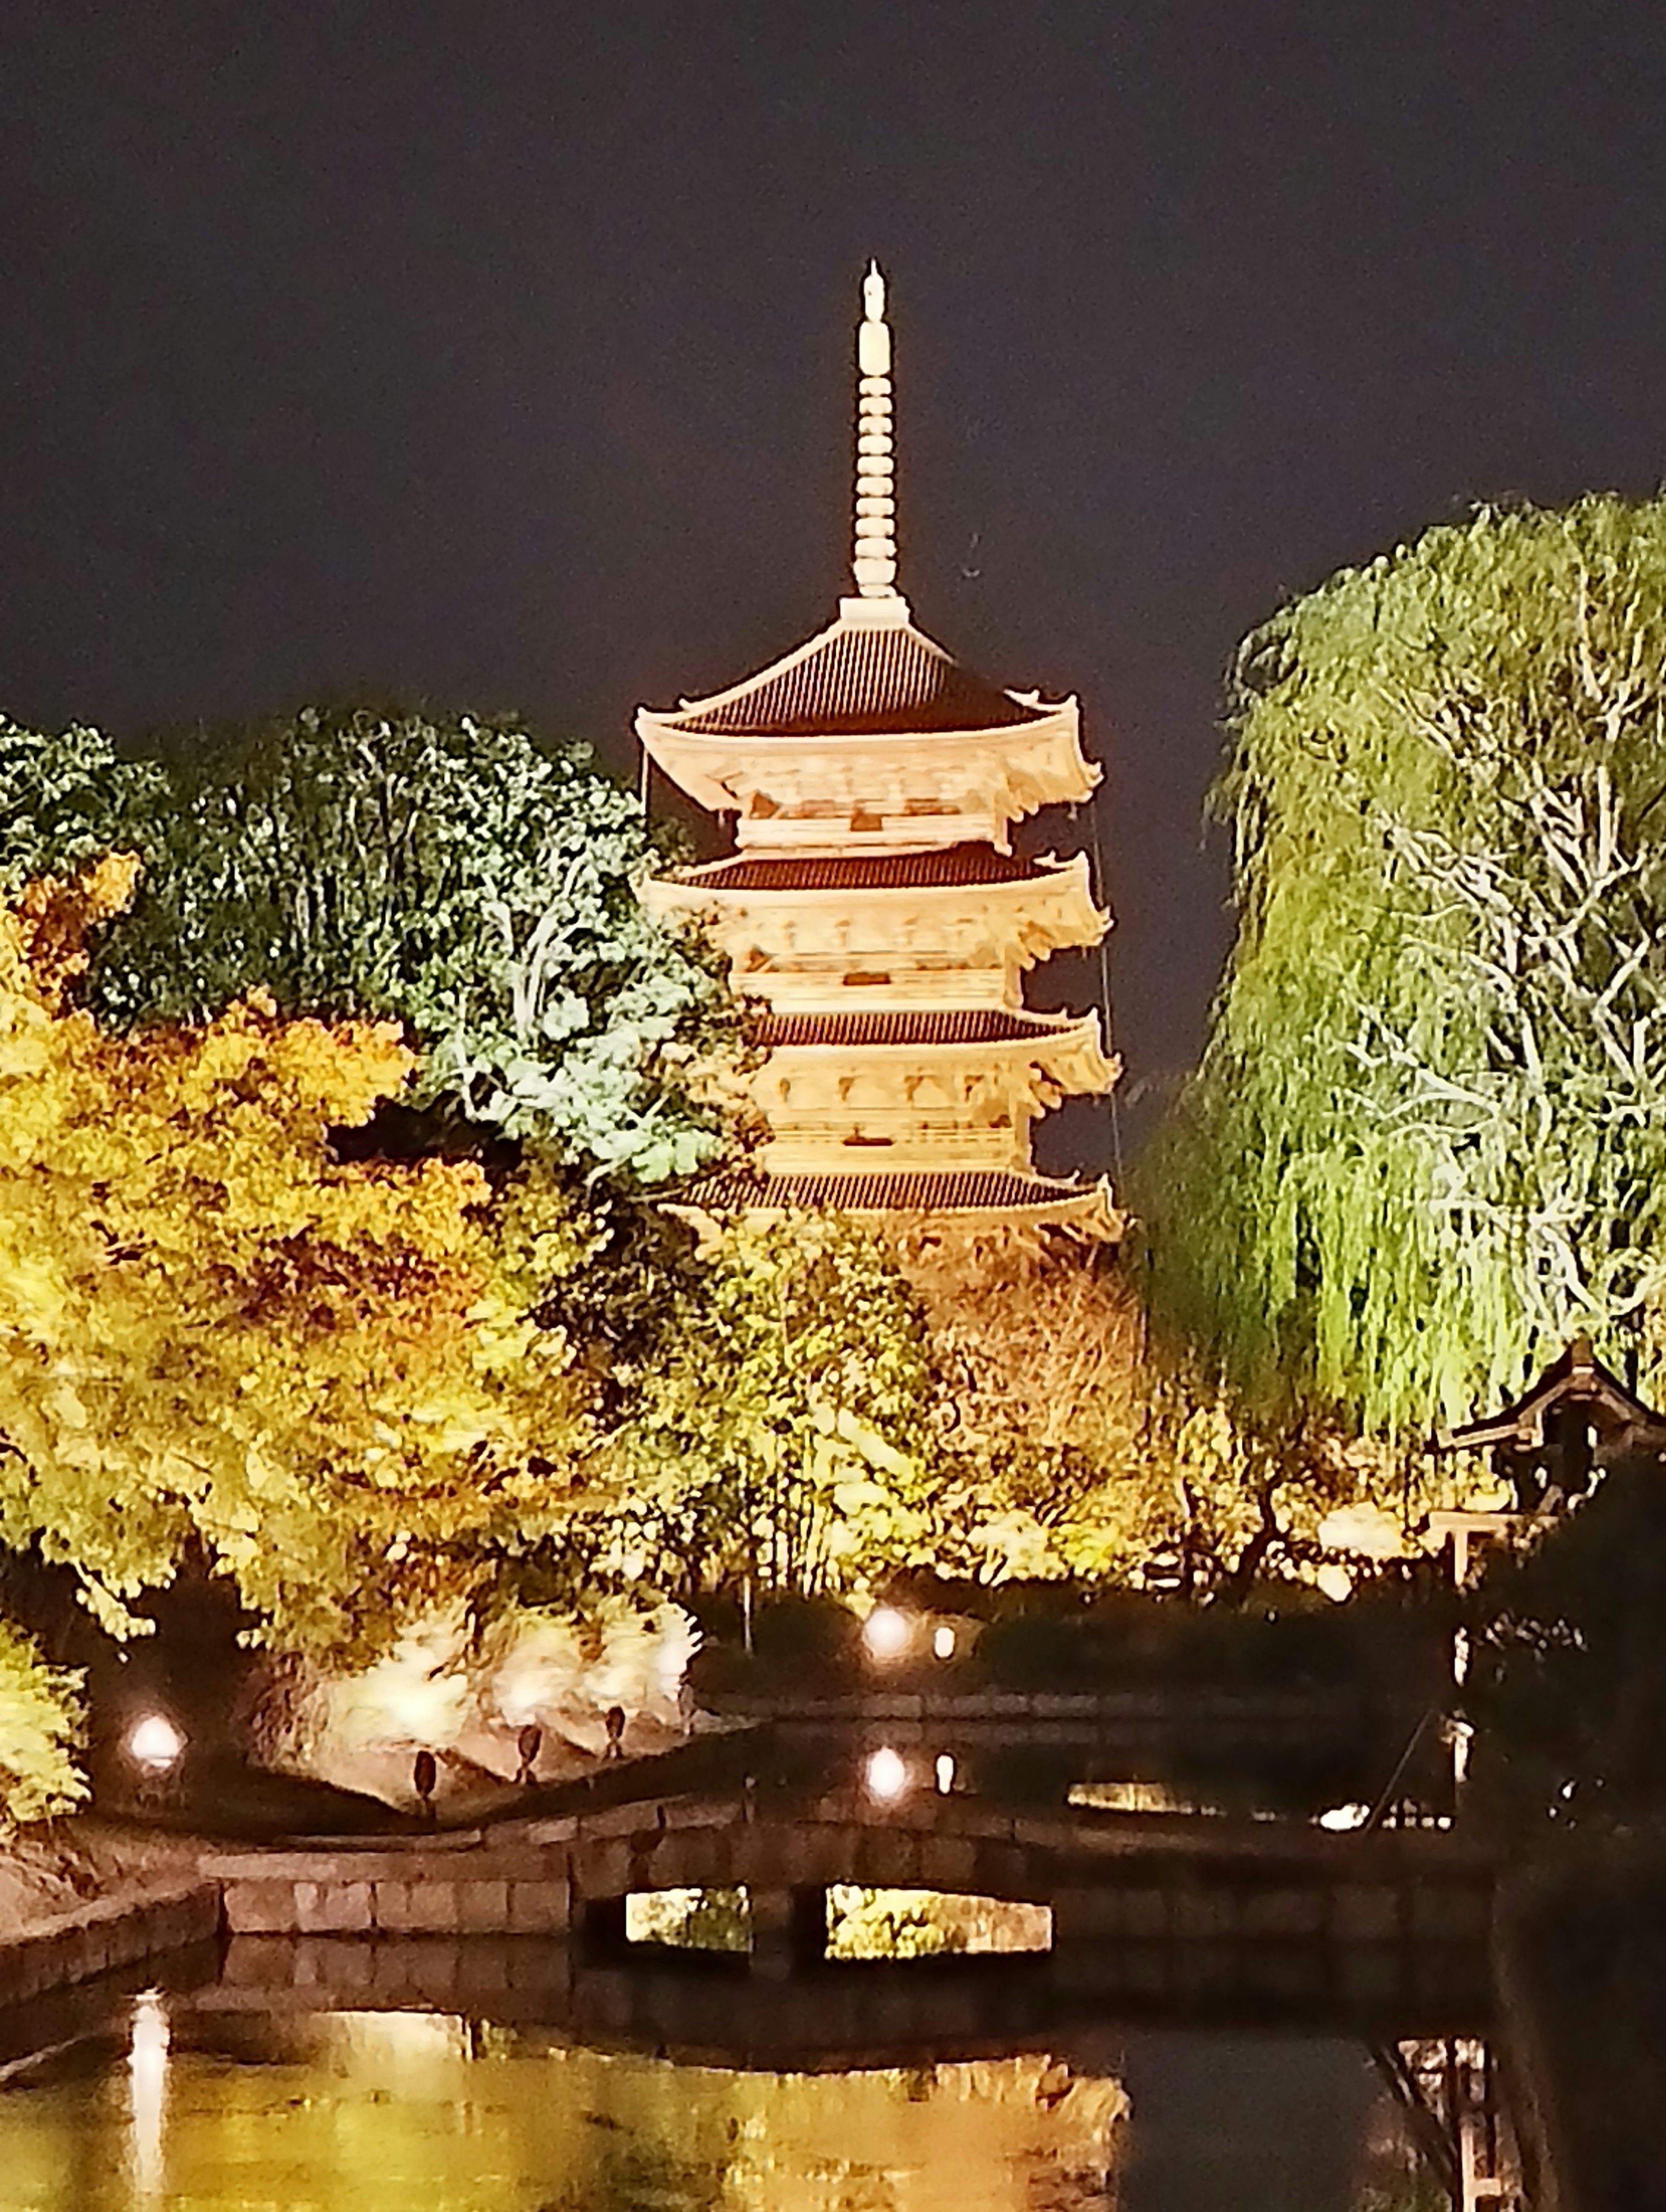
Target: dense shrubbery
[{"x": 1568, "y": 1672}]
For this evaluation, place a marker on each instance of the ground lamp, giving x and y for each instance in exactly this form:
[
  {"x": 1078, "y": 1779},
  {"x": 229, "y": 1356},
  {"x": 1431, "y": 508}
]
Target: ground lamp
[
  {"x": 887, "y": 1633},
  {"x": 886, "y": 1774},
  {"x": 155, "y": 1743}
]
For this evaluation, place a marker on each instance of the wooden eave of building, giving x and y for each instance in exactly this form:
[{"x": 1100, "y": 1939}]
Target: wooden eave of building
[
  {"x": 1577, "y": 1379},
  {"x": 839, "y": 872},
  {"x": 1018, "y": 771},
  {"x": 1048, "y": 898},
  {"x": 963, "y": 1198},
  {"x": 841, "y": 699},
  {"x": 877, "y": 676},
  {"x": 1067, "y": 1049}
]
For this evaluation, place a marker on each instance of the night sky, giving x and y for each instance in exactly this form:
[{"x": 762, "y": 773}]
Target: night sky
[{"x": 499, "y": 354}]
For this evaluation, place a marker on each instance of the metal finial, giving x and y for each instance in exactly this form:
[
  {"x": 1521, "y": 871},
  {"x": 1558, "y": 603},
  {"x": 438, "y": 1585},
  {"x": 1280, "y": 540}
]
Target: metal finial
[{"x": 873, "y": 560}]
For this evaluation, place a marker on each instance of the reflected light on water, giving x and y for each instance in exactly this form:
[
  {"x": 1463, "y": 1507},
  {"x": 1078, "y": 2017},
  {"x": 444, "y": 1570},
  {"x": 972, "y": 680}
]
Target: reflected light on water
[
  {"x": 406, "y": 2037},
  {"x": 1341, "y": 1818},
  {"x": 147, "y": 2088},
  {"x": 886, "y": 1773}
]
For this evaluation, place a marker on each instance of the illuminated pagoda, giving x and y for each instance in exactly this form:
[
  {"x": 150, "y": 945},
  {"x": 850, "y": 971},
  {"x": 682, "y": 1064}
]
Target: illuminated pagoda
[{"x": 875, "y": 910}]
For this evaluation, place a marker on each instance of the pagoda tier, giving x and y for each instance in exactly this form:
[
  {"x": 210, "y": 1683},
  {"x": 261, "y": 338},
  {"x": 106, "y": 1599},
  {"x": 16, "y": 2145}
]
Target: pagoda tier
[
  {"x": 871, "y": 732},
  {"x": 971, "y": 1201},
  {"x": 951, "y": 925},
  {"x": 925, "y": 1091},
  {"x": 875, "y": 913}
]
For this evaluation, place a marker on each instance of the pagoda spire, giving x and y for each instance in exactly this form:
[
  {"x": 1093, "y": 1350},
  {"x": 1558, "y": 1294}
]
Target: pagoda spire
[{"x": 873, "y": 559}]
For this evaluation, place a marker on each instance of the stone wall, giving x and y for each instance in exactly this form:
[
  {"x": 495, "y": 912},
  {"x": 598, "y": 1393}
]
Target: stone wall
[
  {"x": 1249, "y": 1710},
  {"x": 138, "y": 1923},
  {"x": 514, "y": 1885}
]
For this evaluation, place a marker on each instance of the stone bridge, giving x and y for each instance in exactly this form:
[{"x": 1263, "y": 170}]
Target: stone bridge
[{"x": 1135, "y": 1899}]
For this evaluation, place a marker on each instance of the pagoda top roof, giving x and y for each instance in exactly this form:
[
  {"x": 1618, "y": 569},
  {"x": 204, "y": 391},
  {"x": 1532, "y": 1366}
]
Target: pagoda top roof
[
  {"x": 871, "y": 673},
  {"x": 963, "y": 1191},
  {"x": 924, "y": 1025},
  {"x": 940, "y": 865}
]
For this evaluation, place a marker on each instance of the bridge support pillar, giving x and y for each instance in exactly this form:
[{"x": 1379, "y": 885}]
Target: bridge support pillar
[
  {"x": 601, "y": 1929},
  {"x": 789, "y": 1929}
]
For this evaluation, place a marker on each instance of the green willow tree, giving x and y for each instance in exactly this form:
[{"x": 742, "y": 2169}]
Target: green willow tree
[
  {"x": 442, "y": 869},
  {"x": 1427, "y": 1141}
]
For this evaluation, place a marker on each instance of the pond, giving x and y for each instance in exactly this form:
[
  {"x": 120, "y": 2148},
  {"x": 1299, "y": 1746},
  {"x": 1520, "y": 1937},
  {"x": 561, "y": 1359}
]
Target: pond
[{"x": 208, "y": 2100}]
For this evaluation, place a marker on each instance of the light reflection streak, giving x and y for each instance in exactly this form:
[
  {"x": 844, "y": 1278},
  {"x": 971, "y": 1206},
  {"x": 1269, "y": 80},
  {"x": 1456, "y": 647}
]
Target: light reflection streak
[{"x": 147, "y": 2090}]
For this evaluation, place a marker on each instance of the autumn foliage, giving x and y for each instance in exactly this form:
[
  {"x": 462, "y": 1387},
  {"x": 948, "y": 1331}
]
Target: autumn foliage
[{"x": 219, "y": 1337}]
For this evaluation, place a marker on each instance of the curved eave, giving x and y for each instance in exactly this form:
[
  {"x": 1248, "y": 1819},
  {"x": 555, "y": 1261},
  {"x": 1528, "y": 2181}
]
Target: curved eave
[
  {"x": 1071, "y": 1055},
  {"x": 722, "y": 771},
  {"x": 860, "y": 652},
  {"x": 1086, "y": 1209},
  {"x": 1081, "y": 923}
]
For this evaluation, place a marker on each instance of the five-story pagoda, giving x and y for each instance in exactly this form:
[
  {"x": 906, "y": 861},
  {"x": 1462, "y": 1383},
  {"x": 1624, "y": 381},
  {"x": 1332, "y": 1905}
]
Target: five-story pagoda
[{"x": 876, "y": 909}]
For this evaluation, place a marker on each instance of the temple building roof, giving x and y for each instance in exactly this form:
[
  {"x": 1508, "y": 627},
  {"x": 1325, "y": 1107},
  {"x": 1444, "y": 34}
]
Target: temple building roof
[
  {"x": 942, "y": 865},
  {"x": 1577, "y": 1381},
  {"x": 924, "y": 1025},
  {"x": 858, "y": 681},
  {"x": 870, "y": 726},
  {"x": 966, "y": 1191}
]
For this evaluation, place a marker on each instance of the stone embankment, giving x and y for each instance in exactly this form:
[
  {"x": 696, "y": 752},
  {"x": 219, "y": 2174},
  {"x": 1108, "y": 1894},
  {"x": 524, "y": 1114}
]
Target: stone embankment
[
  {"x": 139, "y": 1921},
  {"x": 1056, "y": 1716}
]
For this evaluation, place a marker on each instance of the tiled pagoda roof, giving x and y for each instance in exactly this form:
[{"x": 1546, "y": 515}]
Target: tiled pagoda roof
[
  {"x": 945, "y": 866},
  {"x": 969, "y": 1190},
  {"x": 907, "y": 1026},
  {"x": 858, "y": 680}
]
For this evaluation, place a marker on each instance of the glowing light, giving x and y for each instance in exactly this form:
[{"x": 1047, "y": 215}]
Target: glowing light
[
  {"x": 943, "y": 1642},
  {"x": 1335, "y": 1582},
  {"x": 886, "y": 1633},
  {"x": 155, "y": 1742},
  {"x": 887, "y": 1775},
  {"x": 1366, "y": 1530},
  {"x": 945, "y": 1773},
  {"x": 1341, "y": 1818},
  {"x": 147, "y": 2083}
]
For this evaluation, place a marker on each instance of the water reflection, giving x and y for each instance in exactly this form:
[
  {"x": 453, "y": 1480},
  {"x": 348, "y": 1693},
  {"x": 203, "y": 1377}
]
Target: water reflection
[
  {"x": 202, "y": 2106},
  {"x": 386, "y": 2111},
  {"x": 1448, "y": 2091},
  {"x": 147, "y": 2076}
]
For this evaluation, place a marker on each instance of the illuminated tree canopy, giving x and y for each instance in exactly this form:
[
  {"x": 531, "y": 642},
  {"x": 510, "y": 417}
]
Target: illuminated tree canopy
[
  {"x": 323, "y": 1377},
  {"x": 445, "y": 871},
  {"x": 783, "y": 1431},
  {"x": 1428, "y": 1138},
  {"x": 42, "y": 1722}
]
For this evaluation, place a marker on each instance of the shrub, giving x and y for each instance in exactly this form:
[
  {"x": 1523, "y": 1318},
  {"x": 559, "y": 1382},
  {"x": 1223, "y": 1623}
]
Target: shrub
[{"x": 41, "y": 1730}]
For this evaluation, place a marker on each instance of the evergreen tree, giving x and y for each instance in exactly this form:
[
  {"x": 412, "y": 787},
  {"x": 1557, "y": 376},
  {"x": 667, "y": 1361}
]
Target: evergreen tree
[{"x": 442, "y": 871}]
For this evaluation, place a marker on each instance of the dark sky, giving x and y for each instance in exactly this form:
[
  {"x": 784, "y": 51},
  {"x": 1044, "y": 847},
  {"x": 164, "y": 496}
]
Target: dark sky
[{"x": 500, "y": 352}]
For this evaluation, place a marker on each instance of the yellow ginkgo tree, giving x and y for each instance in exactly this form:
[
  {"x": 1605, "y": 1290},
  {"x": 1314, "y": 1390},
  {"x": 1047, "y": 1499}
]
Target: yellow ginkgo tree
[{"x": 220, "y": 1339}]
